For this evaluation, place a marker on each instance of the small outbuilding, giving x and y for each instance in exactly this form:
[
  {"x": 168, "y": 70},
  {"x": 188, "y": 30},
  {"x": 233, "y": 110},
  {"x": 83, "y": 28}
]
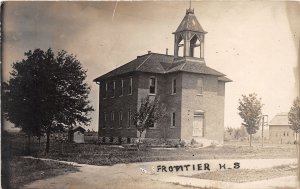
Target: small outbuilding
[
  {"x": 280, "y": 131},
  {"x": 77, "y": 135}
]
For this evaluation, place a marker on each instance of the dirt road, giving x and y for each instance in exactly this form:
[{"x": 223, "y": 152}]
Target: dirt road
[{"x": 150, "y": 175}]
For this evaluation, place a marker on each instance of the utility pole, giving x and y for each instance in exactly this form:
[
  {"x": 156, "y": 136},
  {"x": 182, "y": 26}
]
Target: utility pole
[{"x": 263, "y": 123}]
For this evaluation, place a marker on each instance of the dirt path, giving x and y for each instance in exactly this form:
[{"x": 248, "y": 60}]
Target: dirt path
[{"x": 145, "y": 175}]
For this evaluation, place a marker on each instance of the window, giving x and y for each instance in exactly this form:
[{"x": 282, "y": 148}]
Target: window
[
  {"x": 173, "y": 123},
  {"x": 105, "y": 91},
  {"x": 152, "y": 85},
  {"x": 200, "y": 86},
  {"x": 120, "y": 119},
  {"x": 130, "y": 86},
  {"x": 174, "y": 86},
  {"x": 129, "y": 119},
  {"x": 122, "y": 87},
  {"x": 104, "y": 120},
  {"x": 283, "y": 133},
  {"x": 287, "y": 133},
  {"x": 112, "y": 118},
  {"x": 114, "y": 89}
]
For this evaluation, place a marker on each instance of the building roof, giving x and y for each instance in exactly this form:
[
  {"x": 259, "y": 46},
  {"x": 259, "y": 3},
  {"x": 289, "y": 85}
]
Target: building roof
[
  {"x": 80, "y": 129},
  {"x": 190, "y": 23},
  {"x": 280, "y": 119},
  {"x": 161, "y": 63}
]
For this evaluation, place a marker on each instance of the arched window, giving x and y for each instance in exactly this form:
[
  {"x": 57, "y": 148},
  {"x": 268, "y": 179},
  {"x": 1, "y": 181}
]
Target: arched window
[
  {"x": 180, "y": 46},
  {"x": 195, "y": 47}
]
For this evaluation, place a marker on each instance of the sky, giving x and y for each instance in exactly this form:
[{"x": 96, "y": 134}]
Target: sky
[{"x": 255, "y": 43}]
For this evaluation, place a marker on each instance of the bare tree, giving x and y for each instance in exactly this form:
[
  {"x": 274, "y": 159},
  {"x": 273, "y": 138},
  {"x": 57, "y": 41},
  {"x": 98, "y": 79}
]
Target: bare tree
[{"x": 149, "y": 113}]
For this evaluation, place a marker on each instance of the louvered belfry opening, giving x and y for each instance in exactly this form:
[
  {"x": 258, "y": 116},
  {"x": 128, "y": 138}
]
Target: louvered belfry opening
[{"x": 189, "y": 37}]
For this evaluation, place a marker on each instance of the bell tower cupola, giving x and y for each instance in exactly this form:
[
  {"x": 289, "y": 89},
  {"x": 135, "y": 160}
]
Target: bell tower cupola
[{"x": 189, "y": 37}]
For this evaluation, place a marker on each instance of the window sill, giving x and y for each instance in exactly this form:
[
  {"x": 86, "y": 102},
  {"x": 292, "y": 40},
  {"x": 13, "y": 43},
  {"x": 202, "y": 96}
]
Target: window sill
[
  {"x": 152, "y": 128},
  {"x": 199, "y": 95},
  {"x": 173, "y": 94},
  {"x": 130, "y": 94},
  {"x": 112, "y": 97},
  {"x": 151, "y": 94},
  {"x": 172, "y": 127}
]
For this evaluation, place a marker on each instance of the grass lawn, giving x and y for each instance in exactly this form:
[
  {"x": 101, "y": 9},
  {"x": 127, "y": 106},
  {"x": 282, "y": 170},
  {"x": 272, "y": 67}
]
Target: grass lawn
[
  {"x": 109, "y": 155},
  {"x": 21, "y": 171},
  {"x": 249, "y": 175}
]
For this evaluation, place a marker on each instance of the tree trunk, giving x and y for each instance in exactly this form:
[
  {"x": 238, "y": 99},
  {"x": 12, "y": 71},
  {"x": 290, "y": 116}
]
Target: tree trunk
[
  {"x": 250, "y": 140},
  {"x": 47, "y": 142},
  {"x": 29, "y": 144},
  {"x": 139, "y": 142},
  {"x": 39, "y": 142}
]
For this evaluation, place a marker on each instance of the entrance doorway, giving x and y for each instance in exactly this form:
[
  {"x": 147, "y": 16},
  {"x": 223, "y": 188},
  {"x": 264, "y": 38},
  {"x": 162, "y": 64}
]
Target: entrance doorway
[{"x": 198, "y": 126}]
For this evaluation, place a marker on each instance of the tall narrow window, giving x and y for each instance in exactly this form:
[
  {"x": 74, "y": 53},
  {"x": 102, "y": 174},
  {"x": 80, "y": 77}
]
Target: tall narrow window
[
  {"x": 114, "y": 89},
  {"x": 174, "y": 86},
  {"x": 112, "y": 119},
  {"x": 173, "y": 122},
  {"x": 129, "y": 119},
  {"x": 105, "y": 91},
  {"x": 122, "y": 87},
  {"x": 130, "y": 86},
  {"x": 200, "y": 86},
  {"x": 104, "y": 120},
  {"x": 120, "y": 119},
  {"x": 152, "y": 85}
]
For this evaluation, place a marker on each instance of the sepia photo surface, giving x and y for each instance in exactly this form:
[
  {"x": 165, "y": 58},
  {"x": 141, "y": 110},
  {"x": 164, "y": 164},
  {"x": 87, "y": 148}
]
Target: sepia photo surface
[{"x": 150, "y": 94}]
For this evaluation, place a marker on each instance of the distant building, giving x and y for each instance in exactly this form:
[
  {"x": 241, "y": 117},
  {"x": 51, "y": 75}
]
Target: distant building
[
  {"x": 77, "y": 135},
  {"x": 193, "y": 92},
  {"x": 280, "y": 131}
]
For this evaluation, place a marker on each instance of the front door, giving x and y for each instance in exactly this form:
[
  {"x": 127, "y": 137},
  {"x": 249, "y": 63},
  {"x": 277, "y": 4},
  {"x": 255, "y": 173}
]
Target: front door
[{"x": 198, "y": 126}]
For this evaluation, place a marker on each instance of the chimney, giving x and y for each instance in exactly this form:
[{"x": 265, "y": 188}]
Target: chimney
[
  {"x": 149, "y": 52},
  {"x": 166, "y": 51}
]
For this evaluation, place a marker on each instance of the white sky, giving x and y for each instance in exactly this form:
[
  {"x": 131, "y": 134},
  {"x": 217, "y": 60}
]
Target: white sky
[{"x": 256, "y": 44}]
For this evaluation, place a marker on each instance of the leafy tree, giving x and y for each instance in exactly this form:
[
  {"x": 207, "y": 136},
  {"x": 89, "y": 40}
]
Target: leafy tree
[
  {"x": 294, "y": 116},
  {"x": 46, "y": 94},
  {"x": 250, "y": 111},
  {"x": 149, "y": 113}
]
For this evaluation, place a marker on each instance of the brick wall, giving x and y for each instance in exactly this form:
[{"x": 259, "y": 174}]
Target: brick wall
[
  {"x": 119, "y": 103},
  {"x": 183, "y": 103},
  {"x": 281, "y": 134},
  {"x": 164, "y": 88},
  {"x": 211, "y": 102}
]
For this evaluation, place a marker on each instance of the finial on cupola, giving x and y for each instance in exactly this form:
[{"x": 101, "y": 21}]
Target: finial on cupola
[{"x": 190, "y": 10}]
